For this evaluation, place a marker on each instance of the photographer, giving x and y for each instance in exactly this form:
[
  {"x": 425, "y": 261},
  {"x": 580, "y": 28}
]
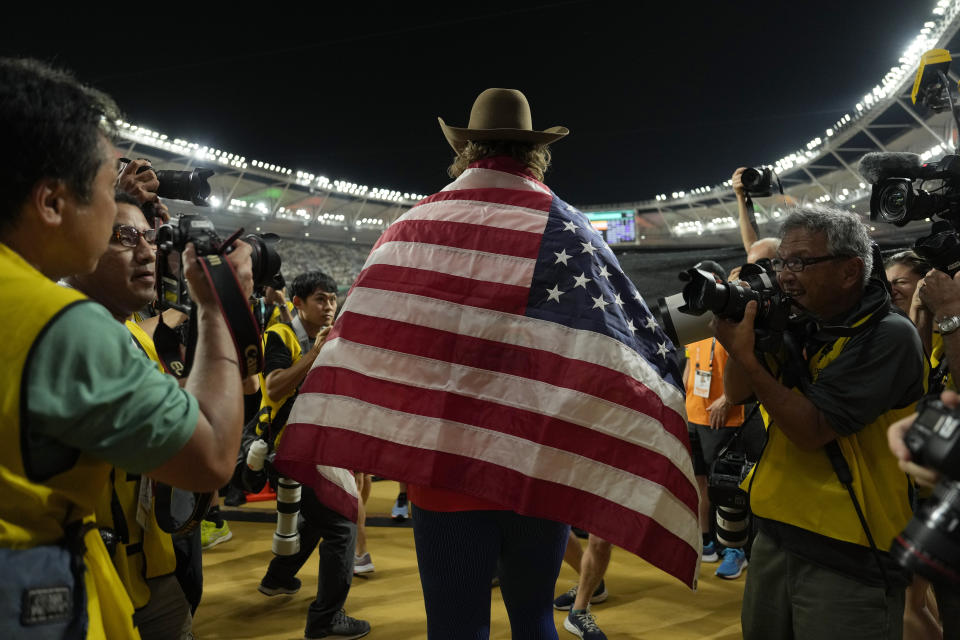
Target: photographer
[
  {"x": 846, "y": 372},
  {"x": 76, "y": 394},
  {"x": 143, "y": 554},
  {"x": 290, "y": 352}
]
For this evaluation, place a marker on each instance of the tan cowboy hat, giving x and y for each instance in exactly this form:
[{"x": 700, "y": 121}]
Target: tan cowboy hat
[{"x": 500, "y": 114}]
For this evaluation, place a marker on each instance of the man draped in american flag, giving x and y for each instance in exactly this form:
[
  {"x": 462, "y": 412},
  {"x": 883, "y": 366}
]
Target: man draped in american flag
[{"x": 493, "y": 355}]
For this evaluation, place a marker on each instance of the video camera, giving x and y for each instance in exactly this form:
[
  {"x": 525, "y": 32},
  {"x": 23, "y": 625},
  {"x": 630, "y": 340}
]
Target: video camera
[
  {"x": 930, "y": 543},
  {"x": 899, "y": 194},
  {"x": 703, "y": 297}
]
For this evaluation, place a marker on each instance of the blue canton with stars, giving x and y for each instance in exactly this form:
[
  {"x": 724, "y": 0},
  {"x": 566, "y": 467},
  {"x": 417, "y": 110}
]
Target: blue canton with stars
[{"x": 578, "y": 282}]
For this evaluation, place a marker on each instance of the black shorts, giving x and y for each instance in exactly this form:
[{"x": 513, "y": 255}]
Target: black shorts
[{"x": 706, "y": 443}]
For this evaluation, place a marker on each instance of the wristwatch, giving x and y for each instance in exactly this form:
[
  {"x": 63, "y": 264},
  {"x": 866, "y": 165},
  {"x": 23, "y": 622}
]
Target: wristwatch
[{"x": 949, "y": 325}]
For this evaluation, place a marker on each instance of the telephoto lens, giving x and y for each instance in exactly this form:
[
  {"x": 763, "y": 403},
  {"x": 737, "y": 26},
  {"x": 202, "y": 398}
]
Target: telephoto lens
[
  {"x": 733, "y": 526},
  {"x": 286, "y": 539}
]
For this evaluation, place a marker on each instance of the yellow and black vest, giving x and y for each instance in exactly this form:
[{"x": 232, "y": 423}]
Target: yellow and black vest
[
  {"x": 143, "y": 551},
  {"x": 289, "y": 338},
  {"x": 35, "y": 510},
  {"x": 801, "y": 488}
]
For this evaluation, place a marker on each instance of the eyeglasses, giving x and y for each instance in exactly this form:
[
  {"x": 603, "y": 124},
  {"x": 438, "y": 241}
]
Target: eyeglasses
[
  {"x": 798, "y": 264},
  {"x": 130, "y": 236}
]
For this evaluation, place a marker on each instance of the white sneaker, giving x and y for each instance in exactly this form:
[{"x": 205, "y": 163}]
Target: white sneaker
[{"x": 362, "y": 564}]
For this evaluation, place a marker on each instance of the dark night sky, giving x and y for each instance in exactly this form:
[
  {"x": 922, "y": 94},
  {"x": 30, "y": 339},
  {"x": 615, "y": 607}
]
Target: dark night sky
[{"x": 664, "y": 97}]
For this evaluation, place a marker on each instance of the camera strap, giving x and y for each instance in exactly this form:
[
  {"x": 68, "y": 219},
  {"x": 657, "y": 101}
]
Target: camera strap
[
  {"x": 842, "y": 469},
  {"x": 236, "y": 312},
  {"x": 169, "y": 504}
]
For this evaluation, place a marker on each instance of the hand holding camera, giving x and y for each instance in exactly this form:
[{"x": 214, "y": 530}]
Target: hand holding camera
[
  {"x": 738, "y": 337},
  {"x": 914, "y": 445},
  {"x": 737, "y": 183},
  {"x": 139, "y": 180},
  {"x": 201, "y": 290}
]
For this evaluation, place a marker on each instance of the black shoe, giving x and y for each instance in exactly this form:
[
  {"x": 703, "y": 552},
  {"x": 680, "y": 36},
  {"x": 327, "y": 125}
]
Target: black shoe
[
  {"x": 235, "y": 497},
  {"x": 270, "y": 587},
  {"x": 344, "y": 627}
]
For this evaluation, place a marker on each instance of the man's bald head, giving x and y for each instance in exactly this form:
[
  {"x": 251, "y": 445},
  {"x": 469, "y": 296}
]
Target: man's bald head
[{"x": 763, "y": 248}]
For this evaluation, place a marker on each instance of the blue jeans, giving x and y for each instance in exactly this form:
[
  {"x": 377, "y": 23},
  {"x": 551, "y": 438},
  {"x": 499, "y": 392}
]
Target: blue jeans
[{"x": 460, "y": 552}]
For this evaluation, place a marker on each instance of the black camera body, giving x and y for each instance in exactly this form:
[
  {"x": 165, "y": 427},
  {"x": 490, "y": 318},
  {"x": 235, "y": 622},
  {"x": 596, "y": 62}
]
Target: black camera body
[
  {"x": 729, "y": 300},
  {"x": 172, "y": 239},
  {"x": 934, "y": 437},
  {"x": 930, "y": 543},
  {"x": 757, "y": 183}
]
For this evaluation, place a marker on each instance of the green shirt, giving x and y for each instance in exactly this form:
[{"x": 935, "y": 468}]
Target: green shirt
[{"x": 89, "y": 388}]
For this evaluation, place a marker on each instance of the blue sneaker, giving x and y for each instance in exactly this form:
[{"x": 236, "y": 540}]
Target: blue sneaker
[
  {"x": 583, "y": 625},
  {"x": 734, "y": 561},
  {"x": 710, "y": 552},
  {"x": 400, "y": 510}
]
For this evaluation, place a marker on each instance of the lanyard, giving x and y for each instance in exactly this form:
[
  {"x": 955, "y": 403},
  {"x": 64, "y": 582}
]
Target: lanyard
[{"x": 713, "y": 346}]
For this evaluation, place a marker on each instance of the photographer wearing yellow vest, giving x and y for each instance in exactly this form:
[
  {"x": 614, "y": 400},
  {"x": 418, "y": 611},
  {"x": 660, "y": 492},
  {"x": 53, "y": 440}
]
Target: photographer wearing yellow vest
[
  {"x": 290, "y": 352},
  {"x": 828, "y": 495},
  {"x": 76, "y": 397},
  {"x": 143, "y": 554}
]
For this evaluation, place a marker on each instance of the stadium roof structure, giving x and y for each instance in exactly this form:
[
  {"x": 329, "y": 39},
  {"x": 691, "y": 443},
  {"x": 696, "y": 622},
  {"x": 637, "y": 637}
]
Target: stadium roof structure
[
  {"x": 266, "y": 197},
  {"x": 824, "y": 170}
]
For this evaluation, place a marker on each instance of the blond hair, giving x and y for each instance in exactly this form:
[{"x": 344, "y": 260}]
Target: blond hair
[{"x": 535, "y": 157}]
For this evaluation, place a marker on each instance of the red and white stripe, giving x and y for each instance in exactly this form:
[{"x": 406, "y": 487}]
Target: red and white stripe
[{"x": 433, "y": 375}]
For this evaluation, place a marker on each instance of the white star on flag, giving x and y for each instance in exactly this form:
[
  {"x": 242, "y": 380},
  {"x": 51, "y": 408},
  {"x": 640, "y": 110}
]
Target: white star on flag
[
  {"x": 603, "y": 271},
  {"x": 570, "y": 226},
  {"x": 554, "y": 294},
  {"x": 588, "y": 248},
  {"x": 599, "y": 303},
  {"x": 662, "y": 349},
  {"x": 652, "y": 324},
  {"x": 631, "y": 326},
  {"x": 581, "y": 281},
  {"x": 637, "y": 296},
  {"x": 617, "y": 301},
  {"x": 562, "y": 257}
]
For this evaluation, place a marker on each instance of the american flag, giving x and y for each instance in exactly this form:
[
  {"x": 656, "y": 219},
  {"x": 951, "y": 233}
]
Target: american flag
[{"x": 493, "y": 346}]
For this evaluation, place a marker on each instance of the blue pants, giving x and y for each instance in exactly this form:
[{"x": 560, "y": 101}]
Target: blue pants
[{"x": 460, "y": 552}]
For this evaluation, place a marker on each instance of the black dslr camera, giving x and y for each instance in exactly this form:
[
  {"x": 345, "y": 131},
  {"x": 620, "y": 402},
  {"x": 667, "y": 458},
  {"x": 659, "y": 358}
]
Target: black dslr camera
[
  {"x": 930, "y": 544},
  {"x": 757, "y": 183},
  {"x": 190, "y": 186},
  {"x": 729, "y": 300},
  {"x": 172, "y": 239},
  {"x": 900, "y": 192}
]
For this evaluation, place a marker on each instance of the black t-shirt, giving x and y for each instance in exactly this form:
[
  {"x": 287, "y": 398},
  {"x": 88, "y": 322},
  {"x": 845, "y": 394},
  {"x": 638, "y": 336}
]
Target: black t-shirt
[
  {"x": 879, "y": 369},
  {"x": 277, "y": 356}
]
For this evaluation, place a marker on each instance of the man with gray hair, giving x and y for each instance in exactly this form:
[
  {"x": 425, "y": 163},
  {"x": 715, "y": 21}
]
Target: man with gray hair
[{"x": 827, "y": 495}]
